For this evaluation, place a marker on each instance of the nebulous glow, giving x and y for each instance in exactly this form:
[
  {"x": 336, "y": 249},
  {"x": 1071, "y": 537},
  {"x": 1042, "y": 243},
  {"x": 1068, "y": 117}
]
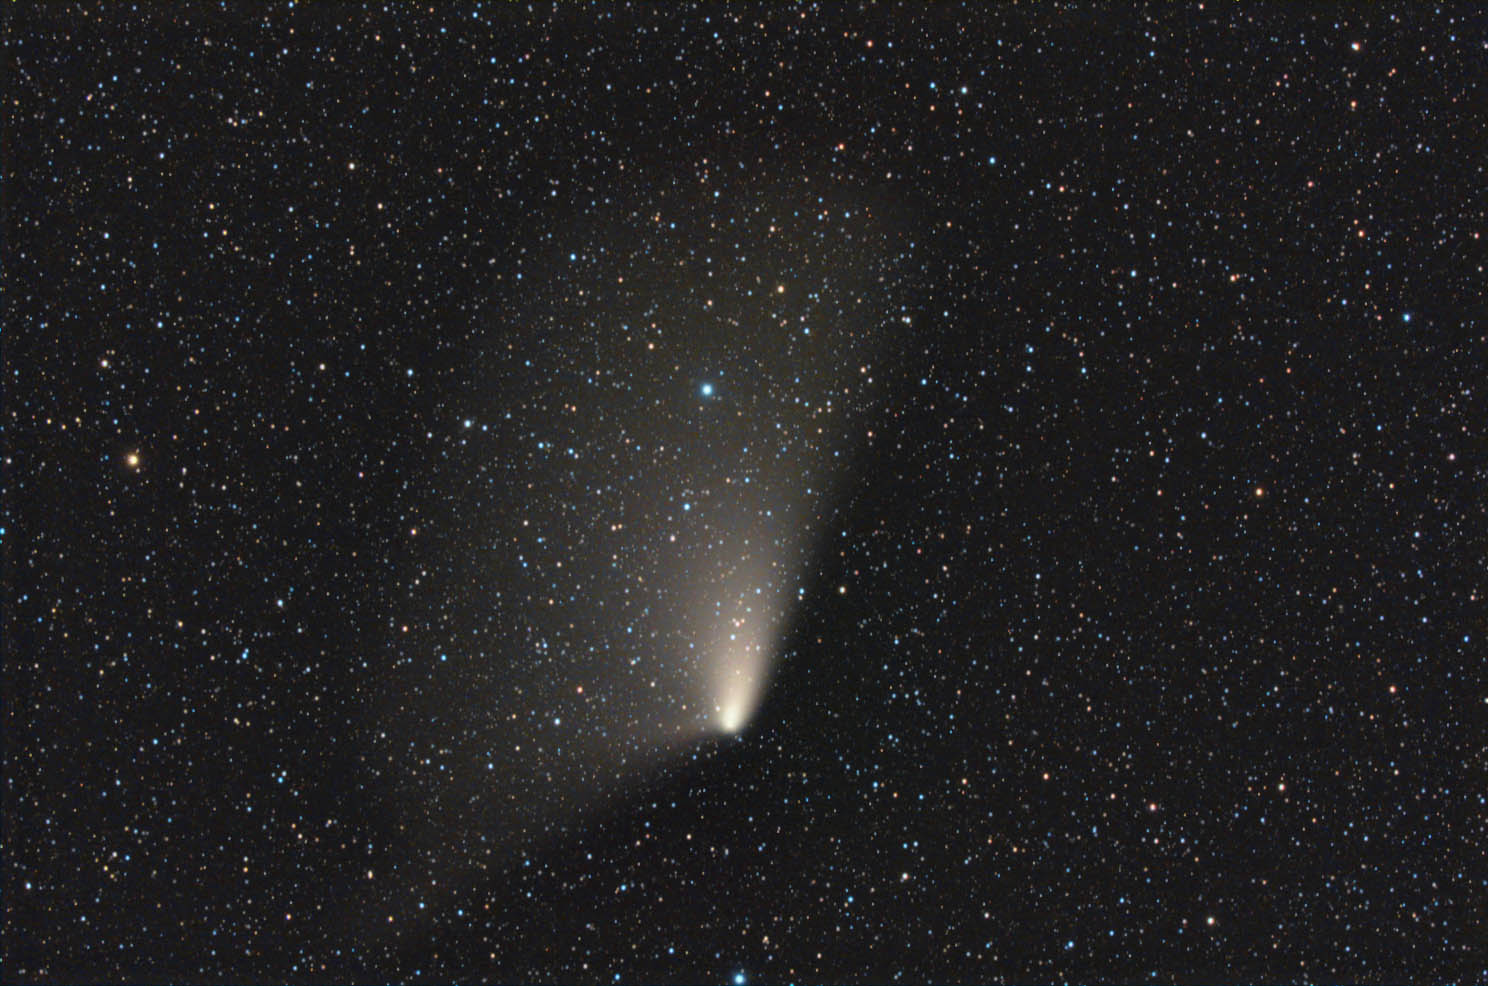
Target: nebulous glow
[
  {"x": 740, "y": 687},
  {"x": 732, "y": 715},
  {"x": 746, "y": 616}
]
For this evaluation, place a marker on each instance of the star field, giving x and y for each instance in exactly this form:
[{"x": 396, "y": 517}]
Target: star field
[{"x": 699, "y": 493}]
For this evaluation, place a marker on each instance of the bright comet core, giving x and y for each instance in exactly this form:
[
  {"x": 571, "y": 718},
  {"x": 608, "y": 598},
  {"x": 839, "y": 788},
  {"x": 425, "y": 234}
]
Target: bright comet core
[
  {"x": 742, "y": 614},
  {"x": 739, "y": 681},
  {"x": 731, "y": 716}
]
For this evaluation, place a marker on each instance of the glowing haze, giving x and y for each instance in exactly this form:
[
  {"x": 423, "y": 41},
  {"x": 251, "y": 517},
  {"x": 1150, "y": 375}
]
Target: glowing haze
[
  {"x": 749, "y": 614},
  {"x": 654, "y": 471}
]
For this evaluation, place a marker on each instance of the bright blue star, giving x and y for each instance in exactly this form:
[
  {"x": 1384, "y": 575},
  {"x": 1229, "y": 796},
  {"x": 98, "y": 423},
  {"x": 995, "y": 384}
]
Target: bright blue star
[{"x": 707, "y": 390}]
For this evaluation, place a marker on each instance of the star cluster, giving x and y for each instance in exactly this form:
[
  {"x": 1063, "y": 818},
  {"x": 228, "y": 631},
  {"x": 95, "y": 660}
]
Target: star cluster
[{"x": 683, "y": 493}]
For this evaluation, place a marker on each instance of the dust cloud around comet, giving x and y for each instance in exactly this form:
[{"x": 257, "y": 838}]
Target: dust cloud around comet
[{"x": 654, "y": 485}]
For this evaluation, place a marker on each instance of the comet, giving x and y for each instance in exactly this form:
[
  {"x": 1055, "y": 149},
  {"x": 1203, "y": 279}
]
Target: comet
[{"x": 747, "y": 617}]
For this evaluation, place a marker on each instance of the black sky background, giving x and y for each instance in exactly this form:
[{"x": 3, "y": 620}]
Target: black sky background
[{"x": 1139, "y": 634}]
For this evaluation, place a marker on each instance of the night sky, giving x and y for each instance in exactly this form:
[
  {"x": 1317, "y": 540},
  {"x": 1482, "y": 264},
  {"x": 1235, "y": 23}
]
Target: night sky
[{"x": 745, "y": 494}]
